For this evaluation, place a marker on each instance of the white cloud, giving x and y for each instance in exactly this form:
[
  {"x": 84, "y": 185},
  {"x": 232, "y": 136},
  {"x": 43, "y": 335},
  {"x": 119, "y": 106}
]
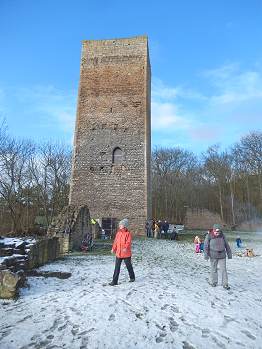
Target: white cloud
[
  {"x": 168, "y": 111},
  {"x": 233, "y": 85},
  {"x": 161, "y": 91},
  {"x": 56, "y": 106},
  {"x": 166, "y": 115},
  {"x": 232, "y": 105}
]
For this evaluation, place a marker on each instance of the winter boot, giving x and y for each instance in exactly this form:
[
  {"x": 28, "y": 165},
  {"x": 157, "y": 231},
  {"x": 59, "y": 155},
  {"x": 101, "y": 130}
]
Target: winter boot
[{"x": 112, "y": 283}]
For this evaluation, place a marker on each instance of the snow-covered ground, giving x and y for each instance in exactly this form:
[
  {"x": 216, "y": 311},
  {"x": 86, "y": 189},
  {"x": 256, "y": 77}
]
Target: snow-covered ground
[{"x": 170, "y": 305}]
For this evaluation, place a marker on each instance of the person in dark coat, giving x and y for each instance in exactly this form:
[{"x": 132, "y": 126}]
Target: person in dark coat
[
  {"x": 238, "y": 242},
  {"x": 148, "y": 227},
  {"x": 216, "y": 248},
  {"x": 165, "y": 227}
]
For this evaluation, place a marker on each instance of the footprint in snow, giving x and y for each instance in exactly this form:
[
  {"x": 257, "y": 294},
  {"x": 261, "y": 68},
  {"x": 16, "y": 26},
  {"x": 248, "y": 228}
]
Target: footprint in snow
[
  {"x": 112, "y": 317},
  {"x": 218, "y": 343},
  {"x": 162, "y": 328},
  {"x": 205, "y": 332},
  {"x": 61, "y": 328},
  {"x": 74, "y": 330},
  {"x": 83, "y": 333},
  {"x": 248, "y": 334},
  {"x": 5, "y": 333},
  {"x": 56, "y": 323},
  {"x": 42, "y": 344},
  {"x": 228, "y": 319},
  {"x": 160, "y": 338},
  {"x": 32, "y": 344},
  {"x": 187, "y": 345},
  {"x": 213, "y": 304},
  {"x": 175, "y": 309},
  {"x": 173, "y": 325},
  {"x": 139, "y": 315}
]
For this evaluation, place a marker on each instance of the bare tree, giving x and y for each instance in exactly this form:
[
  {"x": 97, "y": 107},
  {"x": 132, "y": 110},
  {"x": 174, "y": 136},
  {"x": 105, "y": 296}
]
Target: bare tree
[
  {"x": 250, "y": 148},
  {"x": 34, "y": 180},
  {"x": 50, "y": 170},
  {"x": 174, "y": 172},
  {"x": 14, "y": 177}
]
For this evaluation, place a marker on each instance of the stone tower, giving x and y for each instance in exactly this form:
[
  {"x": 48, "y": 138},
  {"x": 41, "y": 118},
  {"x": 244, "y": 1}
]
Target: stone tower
[{"x": 112, "y": 144}]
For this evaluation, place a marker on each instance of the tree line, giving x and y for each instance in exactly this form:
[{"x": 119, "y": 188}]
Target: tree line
[
  {"x": 228, "y": 182},
  {"x": 35, "y": 178},
  {"x": 34, "y": 183}
]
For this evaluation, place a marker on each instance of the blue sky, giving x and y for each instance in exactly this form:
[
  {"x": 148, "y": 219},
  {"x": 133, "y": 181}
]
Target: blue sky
[{"x": 206, "y": 59}]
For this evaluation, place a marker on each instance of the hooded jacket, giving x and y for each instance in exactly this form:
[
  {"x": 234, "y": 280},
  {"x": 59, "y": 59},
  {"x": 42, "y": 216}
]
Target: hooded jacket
[
  {"x": 122, "y": 243},
  {"x": 216, "y": 247}
]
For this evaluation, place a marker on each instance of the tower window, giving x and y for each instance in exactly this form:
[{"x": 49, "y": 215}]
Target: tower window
[{"x": 117, "y": 156}]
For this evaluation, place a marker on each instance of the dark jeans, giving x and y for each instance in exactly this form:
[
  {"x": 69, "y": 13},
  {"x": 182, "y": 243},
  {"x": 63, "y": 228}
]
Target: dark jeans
[{"x": 128, "y": 266}]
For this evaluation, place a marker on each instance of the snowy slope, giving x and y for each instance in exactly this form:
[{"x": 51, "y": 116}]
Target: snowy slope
[{"x": 169, "y": 306}]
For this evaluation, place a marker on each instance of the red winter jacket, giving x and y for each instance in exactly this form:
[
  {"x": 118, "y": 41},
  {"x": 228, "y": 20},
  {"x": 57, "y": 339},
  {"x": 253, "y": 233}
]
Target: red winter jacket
[{"x": 122, "y": 243}]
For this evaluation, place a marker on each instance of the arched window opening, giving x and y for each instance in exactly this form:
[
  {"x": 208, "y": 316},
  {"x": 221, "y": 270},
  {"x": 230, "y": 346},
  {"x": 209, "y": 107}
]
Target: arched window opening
[{"x": 117, "y": 156}]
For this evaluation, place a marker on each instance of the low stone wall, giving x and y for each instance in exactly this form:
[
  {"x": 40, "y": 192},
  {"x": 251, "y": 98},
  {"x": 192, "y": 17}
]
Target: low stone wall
[
  {"x": 44, "y": 251},
  {"x": 17, "y": 256},
  {"x": 202, "y": 219},
  {"x": 250, "y": 226}
]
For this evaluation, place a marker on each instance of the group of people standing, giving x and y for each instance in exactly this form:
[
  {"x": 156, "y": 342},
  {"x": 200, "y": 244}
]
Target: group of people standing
[
  {"x": 215, "y": 248},
  {"x": 159, "y": 229}
]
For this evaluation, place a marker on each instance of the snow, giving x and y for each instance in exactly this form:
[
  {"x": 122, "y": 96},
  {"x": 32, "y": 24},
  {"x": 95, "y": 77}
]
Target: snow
[
  {"x": 11, "y": 241},
  {"x": 2, "y": 259},
  {"x": 17, "y": 241},
  {"x": 170, "y": 305}
]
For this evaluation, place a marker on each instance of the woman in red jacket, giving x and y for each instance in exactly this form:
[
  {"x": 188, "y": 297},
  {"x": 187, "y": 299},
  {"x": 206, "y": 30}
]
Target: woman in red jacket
[{"x": 122, "y": 249}]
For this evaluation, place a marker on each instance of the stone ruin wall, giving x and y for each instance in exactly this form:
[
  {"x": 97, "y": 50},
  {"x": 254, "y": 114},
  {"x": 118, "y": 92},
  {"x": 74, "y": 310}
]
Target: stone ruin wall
[
  {"x": 253, "y": 225},
  {"x": 202, "y": 219},
  {"x": 18, "y": 258},
  {"x": 114, "y": 111},
  {"x": 70, "y": 227}
]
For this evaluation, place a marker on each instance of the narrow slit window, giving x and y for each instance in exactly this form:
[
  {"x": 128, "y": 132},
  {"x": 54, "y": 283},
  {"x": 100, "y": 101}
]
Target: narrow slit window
[{"x": 117, "y": 156}]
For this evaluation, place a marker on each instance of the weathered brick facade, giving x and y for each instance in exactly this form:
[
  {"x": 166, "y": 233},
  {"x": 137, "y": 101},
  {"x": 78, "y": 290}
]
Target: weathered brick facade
[{"x": 112, "y": 146}]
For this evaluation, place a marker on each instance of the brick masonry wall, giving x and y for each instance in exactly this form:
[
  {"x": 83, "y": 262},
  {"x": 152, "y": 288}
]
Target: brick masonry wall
[
  {"x": 202, "y": 219},
  {"x": 114, "y": 111}
]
